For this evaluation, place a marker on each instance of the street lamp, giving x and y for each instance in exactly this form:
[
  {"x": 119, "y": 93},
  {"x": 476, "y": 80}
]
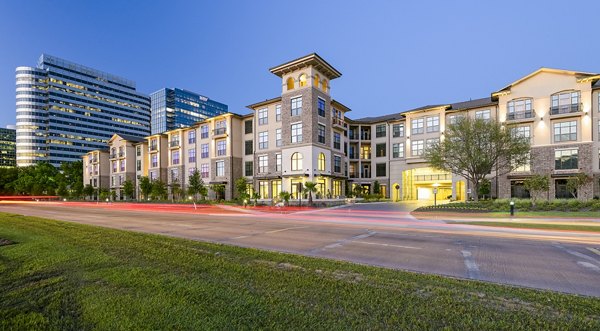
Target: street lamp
[{"x": 435, "y": 191}]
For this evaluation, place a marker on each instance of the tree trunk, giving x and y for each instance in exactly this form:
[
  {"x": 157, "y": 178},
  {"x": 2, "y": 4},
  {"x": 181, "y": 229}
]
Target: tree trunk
[
  {"x": 476, "y": 191},
  {"x": 310, "y": 198}
]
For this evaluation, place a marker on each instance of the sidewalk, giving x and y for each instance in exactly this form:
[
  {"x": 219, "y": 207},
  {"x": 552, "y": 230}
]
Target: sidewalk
[{"x": 483, "y": 217}]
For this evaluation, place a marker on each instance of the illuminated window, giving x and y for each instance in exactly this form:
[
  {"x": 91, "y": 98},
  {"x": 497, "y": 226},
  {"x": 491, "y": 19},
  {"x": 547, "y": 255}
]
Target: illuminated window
[
  {"x": 302, "y": 80},
  {"x": 324, "y": 85},
  {"x": 290, "y": 83},
  {"x": 316, "y": 82},
  {"x": 297, "y": 161},
  {"x": 321, "y": 164}
]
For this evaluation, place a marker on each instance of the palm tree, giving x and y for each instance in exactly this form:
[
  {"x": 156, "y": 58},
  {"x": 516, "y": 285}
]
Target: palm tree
[
  {"x": 310, "y": 187},
  {"x": 285, "y": 196}
]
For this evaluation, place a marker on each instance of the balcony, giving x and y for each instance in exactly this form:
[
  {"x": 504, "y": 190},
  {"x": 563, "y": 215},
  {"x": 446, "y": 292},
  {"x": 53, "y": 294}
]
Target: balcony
[
  {"x": 521, "y": 115},
  {"x": 353, "y": 156},
  {"x": 365, "y": 156},
  {"x": 113, "y": 156},
  {"x": 365, "y": 174},
  {"x": 339, "y": 123},
  {"x": 365, "y": 136},
  {"x": 152, "y": 148},
  {"x": 566, "y": 109},
  {"x": 174, "y": 143},
  {"x": 433, "y": 177},
  {"x": 121, "y": 154},
  {"x": 353, "y": 175},
  {"x": 219, "y": 131},
  {"x": 352, "y": 135}
]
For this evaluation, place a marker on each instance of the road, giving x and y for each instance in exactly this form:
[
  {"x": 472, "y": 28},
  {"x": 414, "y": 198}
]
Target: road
[{"x": 383, "y": 234}]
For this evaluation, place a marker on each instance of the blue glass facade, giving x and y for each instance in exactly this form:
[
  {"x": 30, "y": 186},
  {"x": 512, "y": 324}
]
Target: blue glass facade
[{"x": 174, "y": 108}]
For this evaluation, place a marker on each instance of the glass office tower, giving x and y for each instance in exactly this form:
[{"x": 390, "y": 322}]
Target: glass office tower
[
  {"x": 174, "y": 108},
  {"x": 7, "y": 148},
  {"x": 65, "y": 110}
]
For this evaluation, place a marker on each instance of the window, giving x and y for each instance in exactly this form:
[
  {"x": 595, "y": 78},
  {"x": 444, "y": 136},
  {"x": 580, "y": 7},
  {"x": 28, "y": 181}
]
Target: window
[
  {"x": 263, "y": 116},
  {"x": 192, "y": 155},
  {"x": 302, "y": 80},
  {"x": 297, "y": 106},
  {"x": 248, "y": 147},
  {"x": 297, "y": 133},
  {"x": 566, "y": 159},
  {"x": 398, "y": 130},
  {"x": 204, "y": 132},
  {"x": 114, "y": 166},
  {"x": 562, "y": 192},
  {"x": 517, "y": 190},
  {"x": 565, "y": 102},
  {"x": 191, "y": 171},
  {"x": 337, "y": 163},
  {"x": 154, "y": 160},
  {"x": 221, "y": 147},
  {"x": 175, "y": 157},
  {"x": 521, "y": 131},
  {"x": 518, "y": 109},
  {"x": 263, "y": 164},
  {"x": 248, "y": 165},
  {"x": 138, "y": 151},
  {"x": 321, "y": 134},
  {"x": 248, "y": 127},
  {"x": 431, "y": 142},
  {"x": 321, "y": 162},
  {"x": 263, "y": 189},
  {"x": 275, "y": 188},
  {"x": 278, "y": 113},
  {"x": 380, "y": 150},
  {"x": 297, "y": 161},
  {"x": 417, "y": 147},
  {"x": 138, "y": 165},
  {"x": 321, "y": 107},
  {"x": 220, "y": 127},
  {"x": 316, "y": 82},
  {"x": 290, "y": 83},
  {"x": 337, "y": 140},
  {"x": 453, "y": 119},
  {"x": 192, "y": 137},
  {"x": 278, "y": 141},
  {"x": 417, "y": 126},
  {"x": 204, "y": 170},
  {"x": 526, "y": 166},
  {"x": 204, "y": 151},
  {"x": 483, "y": 114},
  {"x": 122, "y": 164},
  {"x": 324, "y": 85},
  {"x": 565, "y": 131},
  {"x": 365, "y": 152},
  {"x": 398, "y": 150},
  {"x": 433, "y": 124},
  {"x": 380, "y": 130},
  {"x": 263, "y": 140},
  {"x": 174, "y": 175},
  {"x": 220, "y": 168},
  {"x": 277, "y": 162},
  {"x": 380, "y": 170}
]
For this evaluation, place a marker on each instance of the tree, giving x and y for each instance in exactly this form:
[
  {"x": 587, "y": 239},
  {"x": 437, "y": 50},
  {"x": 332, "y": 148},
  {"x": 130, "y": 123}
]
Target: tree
[
  {"x": 219, "y": 190},
  {"x": 575, "y": 183},
  {"x": 377, "y": 189},
  {"x": 88, "y": 191},
  {"x": 357, "y": 191},
  {"x": 241, "y": 187},
  {"x": 128, "y": 189},
  {"x": 7, "y": 177},
  {"x": 536, "y": 185},
  {"x": 159, "y": 190},
  {"x": 473, "y": 148},
  {"x": 62, "y": 189},
  {"x": 195, "y": 184},
  {"x": 485, "y": 188},
  {"x": 70, "y": 177},
  {"x": 285, "y": 196},
  {"x": 37, "y": 179},
  {"x": 145, "y": 186},
  {"x": 310, "y": 187},
  {"x": 103, "y": 193},
  {"x": 176, "y": 190}
]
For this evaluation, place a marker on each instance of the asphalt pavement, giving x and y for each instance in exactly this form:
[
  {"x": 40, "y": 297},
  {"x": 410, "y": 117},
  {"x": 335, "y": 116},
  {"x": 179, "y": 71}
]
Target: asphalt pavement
[{"x": 380, "y": 234}]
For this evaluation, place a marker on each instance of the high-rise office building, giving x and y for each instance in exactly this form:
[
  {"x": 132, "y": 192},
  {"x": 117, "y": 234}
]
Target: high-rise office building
[
  {"x": 174, "y": 108},
  {"x": 7, "y": 147},
  {"x": 65, "y": 110}
]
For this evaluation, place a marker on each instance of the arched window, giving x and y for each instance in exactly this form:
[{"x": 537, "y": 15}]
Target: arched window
[
  {"x": 317, "y": 80},
  {"x": 302, "y": 80},
  {"x": 297, "y": 161},
  {"x": 290, "y": 83},
  {"x": 324, "y": 85},
  {"x": 321, "y": 164}
]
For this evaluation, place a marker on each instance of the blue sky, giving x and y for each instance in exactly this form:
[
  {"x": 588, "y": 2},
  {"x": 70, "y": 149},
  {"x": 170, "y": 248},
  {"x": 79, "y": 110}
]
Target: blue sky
[{"x": 393, "y": 55}]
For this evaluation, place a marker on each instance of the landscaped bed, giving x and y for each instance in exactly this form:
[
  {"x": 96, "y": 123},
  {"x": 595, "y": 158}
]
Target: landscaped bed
[
  {"x": 521, "y": 205},
  {"x": 67, "y": 276}
]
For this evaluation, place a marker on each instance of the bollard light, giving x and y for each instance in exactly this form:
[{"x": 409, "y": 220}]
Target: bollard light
[{"x": 512, "y": 208}]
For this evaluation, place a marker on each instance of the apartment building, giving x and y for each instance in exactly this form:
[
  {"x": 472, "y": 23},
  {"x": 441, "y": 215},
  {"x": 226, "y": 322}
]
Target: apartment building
[
  {"x": 123, "y": 160},
  {"x": 96, "y": 169},
  {"x": 304, "y": 135}
]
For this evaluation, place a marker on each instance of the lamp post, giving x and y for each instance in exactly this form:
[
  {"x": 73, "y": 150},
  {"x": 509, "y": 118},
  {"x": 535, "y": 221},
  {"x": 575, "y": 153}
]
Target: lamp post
[
  {"x": 435, "y": 191},
  {"x": 299, "y": 194}
]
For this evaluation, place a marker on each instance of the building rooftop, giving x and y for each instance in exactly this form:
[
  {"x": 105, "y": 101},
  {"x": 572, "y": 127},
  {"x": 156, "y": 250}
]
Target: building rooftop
[{"x": 309, "y": 60}]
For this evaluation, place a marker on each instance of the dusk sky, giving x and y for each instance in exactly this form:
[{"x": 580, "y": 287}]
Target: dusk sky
[{"x": 393, "y": 55}]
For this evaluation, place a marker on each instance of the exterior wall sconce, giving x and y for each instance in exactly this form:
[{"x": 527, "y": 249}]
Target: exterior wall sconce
[
  {"x": 585, "y": 113},
  {"x": 407, "y": 137},
  {"x": 542, "y": 118}
]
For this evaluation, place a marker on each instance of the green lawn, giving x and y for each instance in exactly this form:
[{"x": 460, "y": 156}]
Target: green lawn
[
  {"x": 545, "y": 226},
  {"x": 68, "y": 276},
  {"x": 551, "y": 214}
]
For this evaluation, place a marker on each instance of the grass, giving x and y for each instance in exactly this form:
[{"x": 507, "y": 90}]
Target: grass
[
  {"x": 545, "y": 226},
  {"x": 551, "y": 214},
  {"x": 66, "y": 276}
]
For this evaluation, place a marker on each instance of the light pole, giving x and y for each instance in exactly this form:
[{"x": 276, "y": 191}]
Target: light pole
[{"x": 435, "y": 191}]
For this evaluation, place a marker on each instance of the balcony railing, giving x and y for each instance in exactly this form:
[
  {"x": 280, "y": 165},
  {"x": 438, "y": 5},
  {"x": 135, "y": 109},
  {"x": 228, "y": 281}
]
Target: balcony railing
[
  {"x": 353, "y": 135},
  {"x": 365, "y": 136},
  {"x": 433, "y": 177},
  {"x": 219, "y": 131},
  {"x": 353, "y": 156},
  {"x": 153, "y": 148},
  {"x": 365, "y": 156},
  {"x": 121, "y": 154},
  {"x": 174, "y": 143},
  {"x": 353, "y": 175},
  {"x": 520, "y": 115},
  {"x": 566, "y": 109},
  {"x": 366, "y": 174},
  {"x": 338, "y": 122},
  {"x": 113, "y": 155}
]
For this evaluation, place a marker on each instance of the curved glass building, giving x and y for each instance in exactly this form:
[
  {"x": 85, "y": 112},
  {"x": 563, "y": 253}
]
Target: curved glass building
[{"x": 65, "y": 110}]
